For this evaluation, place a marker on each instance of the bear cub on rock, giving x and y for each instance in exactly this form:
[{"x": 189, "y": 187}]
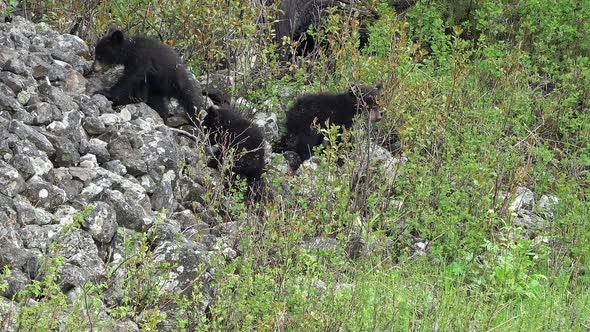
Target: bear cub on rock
[
  {"x": 339, "y": 109},
  {"x": 229, "y": 131},
  {"x": 153, "y": 73}
]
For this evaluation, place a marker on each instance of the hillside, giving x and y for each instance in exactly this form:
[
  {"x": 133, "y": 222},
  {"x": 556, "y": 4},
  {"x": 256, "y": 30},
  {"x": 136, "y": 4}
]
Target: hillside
[{"x": 464, "y": 208}]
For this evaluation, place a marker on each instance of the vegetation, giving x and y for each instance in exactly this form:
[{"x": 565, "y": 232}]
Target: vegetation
[{"x": 487, "y": 95}]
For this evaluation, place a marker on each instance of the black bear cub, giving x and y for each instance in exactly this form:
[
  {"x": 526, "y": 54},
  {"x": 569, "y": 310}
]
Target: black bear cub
[
  {"x": 229, "y": 132},
  {"x": 153, "y": 73},
  {"x": 339, "y": 109}
]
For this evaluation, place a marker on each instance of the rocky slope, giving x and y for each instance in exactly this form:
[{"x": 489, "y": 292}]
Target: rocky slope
[
  {"x": 63, "y": 149},
  {"x": 79, "y": 180}
]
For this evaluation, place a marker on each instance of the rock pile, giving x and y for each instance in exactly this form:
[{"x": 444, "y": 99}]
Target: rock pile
[{"x": 63, "y": 150}]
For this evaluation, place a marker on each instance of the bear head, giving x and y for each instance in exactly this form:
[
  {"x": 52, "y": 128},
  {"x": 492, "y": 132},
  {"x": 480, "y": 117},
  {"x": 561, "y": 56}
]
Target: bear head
[
  {"x": 366, "y": 98},
  {"x": 110, "y": 50}
]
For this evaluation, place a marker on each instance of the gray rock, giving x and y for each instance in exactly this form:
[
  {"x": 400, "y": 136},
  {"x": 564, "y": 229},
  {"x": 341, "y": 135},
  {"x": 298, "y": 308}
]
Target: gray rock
[
  {"x": 18, "y": 258},
  {"x": 30, "y": 162},
  {"x": 26, "y": 132},
  {"x": 57, "y": 97},
  {"x": 73, "y": 44},
  {"x": 43, "y": 194},
  {"x": 96, "y": 147},
  {"x": 88, "y": 161},
  {"x": 17, "y": 66},
  {"x": 9, "y": 313},
  {"x": 75, "y": 82},
  {"x": 7, "y": 53},
  {"x": 10, "y": 103},
  {"x": 17, "y": 281},
  {"x": 229, "y": 254},
  {"x": 16, "y": 83},
  {"x": 163, "y": 196},
  {"x": 94, "y": 126},
  {"x": 41, "y": 69},
  {"x": 525, "y": 200},
  {"x": 81, "y": 261},
  {"x": 268, "y": 122},
  {"x": 64, "y": 180},
  {"x": 129, "y": 213},
  {"x": 101, "y": 223},
  {"x": 125, "y": 148},
  {"x": 11, "y": 182},
  {"x": 110, "y": 119},
  {"x": 38, "y": 237},
  {"x": 190, "y": 261},
  {"x": 43, "y": 113},
  {"x": 64, "y": 215},
  {"x": 116, "y": 166},
  {"x": 547, "y": 204},
  {"x": 66, "y": 151},
  {"x": 30, "y": 215}
]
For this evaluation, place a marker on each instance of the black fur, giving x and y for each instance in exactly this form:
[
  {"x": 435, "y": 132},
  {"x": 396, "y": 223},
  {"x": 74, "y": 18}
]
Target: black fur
[
  {"x": 228, "y": 130},
  {"x": 153, "y": 73},
  {"x": 297, "y": 16},
  {"x": 339, "y": 109}
]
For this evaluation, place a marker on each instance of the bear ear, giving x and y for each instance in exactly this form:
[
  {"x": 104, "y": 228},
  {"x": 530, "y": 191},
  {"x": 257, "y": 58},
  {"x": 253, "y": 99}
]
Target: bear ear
[
  {"x": 112, "y": 28},
  {"x": 379, "y": 86},
  {"x": 117, "y": 36},
  {"x": 213, "y": 112}
]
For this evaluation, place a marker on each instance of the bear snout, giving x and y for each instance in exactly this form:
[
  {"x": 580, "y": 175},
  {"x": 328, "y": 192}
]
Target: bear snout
[
  {"x": 376, "y": 114},
  {"x": 98, "y": 66}
]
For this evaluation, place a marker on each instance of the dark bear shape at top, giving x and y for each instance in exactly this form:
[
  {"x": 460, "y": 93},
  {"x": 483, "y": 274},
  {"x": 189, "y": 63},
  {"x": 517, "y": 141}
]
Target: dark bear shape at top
[
  {"x": 339, "y": 109},
  {"x": 153, "y": 73},
  {"x": 297, "y": 16},
  {"x": 228, "y": 130}
]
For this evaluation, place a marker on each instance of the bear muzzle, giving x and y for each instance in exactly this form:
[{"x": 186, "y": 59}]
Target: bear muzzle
[{"x": 99, "y": 66}]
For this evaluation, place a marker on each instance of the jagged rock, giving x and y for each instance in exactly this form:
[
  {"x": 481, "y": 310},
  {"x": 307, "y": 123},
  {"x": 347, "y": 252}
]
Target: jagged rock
[
  {"x": 525, "y": 200},
  {"x": 75, "y": 82},
  {"x": 30, "y": 215},
  {"x": 116, "y": 166},
  {"x": 547, "y": 205},
  {"x": 64, "y": 180},
  {"x": 100, "y": 223},
  {"x": 26, "y": 132},
  {"x": 43, "y": 194},
  {"x": 16, "y": 83},
  {"x": 190, "y": 260},
  {"x": 9, "y": 313},
  {"x": 95, "y": 125},
  {"x": 11, "y": 182},
  {"x": 7, "y": 211},
  {"x": 19, "y": 258},
  {"x": 229, "y": 254},
  {"x": 129, "y": 213},
  {"x": 18, "y": 67},
  {"x": 268, "y": 122},
  {"x": 17, "y": 281},
  {"x": 8, "y": 102},
  {"x": 43, "y": 113},
  {"x": 124, "y": 148},
  {"x": 97, "y": 148},
  {"x": 88, "y": 161},
  {"x": 7, "y": 53},
  {"x": 29, "y": 161},
  {"x": 66, "y": 151},
  {"x": 57, "y": 97},
  {"x": 163, "y": 196}
]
